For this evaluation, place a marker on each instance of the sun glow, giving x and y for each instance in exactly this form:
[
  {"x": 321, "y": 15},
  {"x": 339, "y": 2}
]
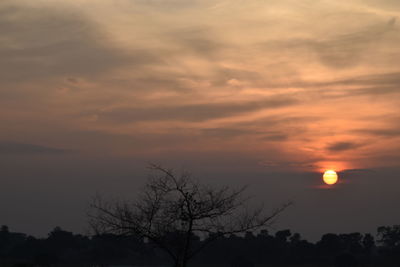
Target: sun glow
[{"x": 330, "y": 177}]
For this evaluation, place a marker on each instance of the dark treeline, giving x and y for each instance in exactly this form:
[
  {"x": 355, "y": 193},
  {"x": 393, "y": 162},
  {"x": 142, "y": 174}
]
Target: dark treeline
[{"x": 282, "y": 248}]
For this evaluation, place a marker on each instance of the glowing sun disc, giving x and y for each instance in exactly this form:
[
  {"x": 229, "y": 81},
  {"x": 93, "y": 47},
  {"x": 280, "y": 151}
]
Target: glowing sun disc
[{"x": 330, "y": 177}]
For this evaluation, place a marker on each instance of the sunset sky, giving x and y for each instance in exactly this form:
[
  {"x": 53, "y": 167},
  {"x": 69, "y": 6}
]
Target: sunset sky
[{"x": 268, "y": 93}]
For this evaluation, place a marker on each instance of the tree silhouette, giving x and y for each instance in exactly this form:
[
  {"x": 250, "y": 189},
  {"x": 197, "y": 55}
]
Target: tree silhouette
[
  {"x": 389, "y": 237},
  {"x": 173, "y": 210},
  {"x": 368, "y": 243},
  {"x": 63, "y": 248}
]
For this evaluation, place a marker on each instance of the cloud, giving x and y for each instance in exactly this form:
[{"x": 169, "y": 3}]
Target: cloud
[
  {"x": 389, "y": 132},
  {"x": 344, "y": 50},
  {"x": 193, "y": 112},
  {"x": 275, "y": 137},
  {"x": 375, "y": 84},
  {"x": 288, "y": 164},
  {"x": 382, "y": 79},
  {"x": 200, "y": 41},
  {"x": 270, "y": 128},
  {"x": 170, "y": 5},
  {"x": 359, "y": 85},
  {"x": 20, "y": 148},
  {"x": 225, "y": 133},
  {"x": 389, "y": 5},
  {"x": 224, "y": 75},
  {"x": 348, "y": 50},
  {"x": 39, "y": 43},
  {"x": 357, "y": 171},
  {"x": 343, "y": 146}
]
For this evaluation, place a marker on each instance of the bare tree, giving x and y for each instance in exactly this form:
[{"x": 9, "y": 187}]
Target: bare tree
[{"x": 173, "y": 209}]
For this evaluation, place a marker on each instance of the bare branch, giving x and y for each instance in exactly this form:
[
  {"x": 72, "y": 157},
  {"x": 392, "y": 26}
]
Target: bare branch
[{"x": 172, "y": 209}]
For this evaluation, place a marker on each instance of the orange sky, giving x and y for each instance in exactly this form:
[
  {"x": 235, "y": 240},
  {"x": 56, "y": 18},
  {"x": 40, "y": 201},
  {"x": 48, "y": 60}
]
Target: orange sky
[{"x": 315, "y": 82}]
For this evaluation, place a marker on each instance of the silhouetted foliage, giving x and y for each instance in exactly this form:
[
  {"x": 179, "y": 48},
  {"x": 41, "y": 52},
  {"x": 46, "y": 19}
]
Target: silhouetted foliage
[
  {"x": 389, "y": 237},
  {"x": 63, "y": 248}
]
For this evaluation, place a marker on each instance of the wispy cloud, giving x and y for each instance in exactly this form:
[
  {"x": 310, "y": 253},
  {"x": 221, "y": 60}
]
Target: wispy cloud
[
  {"x": 61, "y": 42},
  {"x": 388, "y": 132},
  {"x": 194, "y": 112},
  {"x": 305, "y": 81}
]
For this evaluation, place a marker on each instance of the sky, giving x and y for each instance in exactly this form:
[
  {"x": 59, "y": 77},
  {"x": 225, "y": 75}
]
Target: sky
[{"x": 267, "y": 93}]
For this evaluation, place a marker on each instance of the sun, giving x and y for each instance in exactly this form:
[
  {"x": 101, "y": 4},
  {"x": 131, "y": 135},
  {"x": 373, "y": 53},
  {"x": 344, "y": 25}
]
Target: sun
[{"x": 330, "y": 177}]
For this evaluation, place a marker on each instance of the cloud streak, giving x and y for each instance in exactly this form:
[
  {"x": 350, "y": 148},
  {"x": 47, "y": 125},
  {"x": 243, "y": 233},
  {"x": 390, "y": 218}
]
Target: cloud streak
[{"x": 194, "y": 112}]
